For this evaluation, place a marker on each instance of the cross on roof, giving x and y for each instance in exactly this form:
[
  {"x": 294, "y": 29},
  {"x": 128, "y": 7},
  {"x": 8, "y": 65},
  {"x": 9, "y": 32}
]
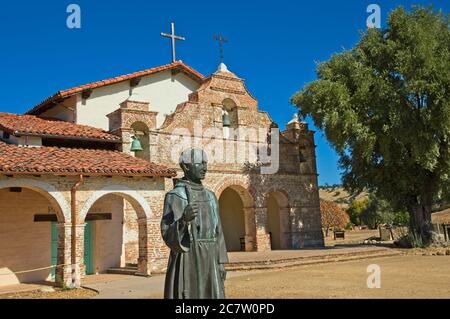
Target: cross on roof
[
  {"x": 173, "y": 37},
  {"x": 221, "y": 41}
]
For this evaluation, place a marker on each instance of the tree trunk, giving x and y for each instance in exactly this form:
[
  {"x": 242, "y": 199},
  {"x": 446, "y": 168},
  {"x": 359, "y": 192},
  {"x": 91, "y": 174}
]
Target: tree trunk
[{"x": 420, "y": 222}]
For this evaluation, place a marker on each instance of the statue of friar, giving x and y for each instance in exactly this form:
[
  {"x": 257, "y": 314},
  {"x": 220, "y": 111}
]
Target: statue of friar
[{"x": 191, "y": 228}]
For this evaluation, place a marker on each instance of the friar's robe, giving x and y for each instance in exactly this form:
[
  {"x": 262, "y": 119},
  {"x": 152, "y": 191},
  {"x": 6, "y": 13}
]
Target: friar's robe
[{"x": 198, "y": 252}]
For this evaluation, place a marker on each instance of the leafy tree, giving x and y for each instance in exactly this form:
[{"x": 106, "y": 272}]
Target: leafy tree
[
  {"x": 333, "y": 216},
  {"x": 385, "y": 107},
  {"x": 378, "y": 211},
  {"x": 400, "y": 218},
  {"x": 372, "y": 216},
  {"x": 354, "y": 210}
]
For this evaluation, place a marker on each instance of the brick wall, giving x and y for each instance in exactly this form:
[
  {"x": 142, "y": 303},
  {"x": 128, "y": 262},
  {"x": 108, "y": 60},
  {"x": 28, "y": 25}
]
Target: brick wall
[
  {"x": 24, "y": 244},
  {"x": 141, "y": 199}
]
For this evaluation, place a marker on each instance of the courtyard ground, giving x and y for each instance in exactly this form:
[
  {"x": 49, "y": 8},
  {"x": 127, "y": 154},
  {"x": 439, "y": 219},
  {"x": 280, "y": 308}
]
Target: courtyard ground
[
  {"x": 333, "y": 272},
  {"x": 53, "y": 293},
  {"x": 406, "y": 276},
  {"x": 356, "y": 236},
  {"x": 410, "y": 276}
]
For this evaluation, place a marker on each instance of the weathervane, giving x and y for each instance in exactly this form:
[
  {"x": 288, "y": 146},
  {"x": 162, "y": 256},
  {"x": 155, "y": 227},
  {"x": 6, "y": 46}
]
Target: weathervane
[
  {"x": 221, "y": 41},
  {"x": 173, "y": 37}
]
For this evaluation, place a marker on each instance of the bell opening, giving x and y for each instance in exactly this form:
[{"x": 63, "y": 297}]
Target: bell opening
[{"x": 226, "y": 120}]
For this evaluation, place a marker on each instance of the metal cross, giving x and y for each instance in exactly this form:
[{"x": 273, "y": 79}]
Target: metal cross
[
  {"x": 221, "y": 41},
  {"x": 173, "y": 37}
]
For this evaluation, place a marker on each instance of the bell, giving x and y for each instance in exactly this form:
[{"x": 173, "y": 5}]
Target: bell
[
  {"x": 136, "y": 145},
  {"x": 226, "y": 119}
]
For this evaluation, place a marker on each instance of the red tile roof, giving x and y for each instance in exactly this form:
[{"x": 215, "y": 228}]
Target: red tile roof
[
  {"x": 32, "y": 125},
  {"x": 69, "y": 92},
  {"x": 73, "y": 161}
]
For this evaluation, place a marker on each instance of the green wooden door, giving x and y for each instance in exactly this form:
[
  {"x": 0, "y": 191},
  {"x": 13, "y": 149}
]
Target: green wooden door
[
  {"x": 54, "y": 249},
  {"x": 88, "y": 256}
]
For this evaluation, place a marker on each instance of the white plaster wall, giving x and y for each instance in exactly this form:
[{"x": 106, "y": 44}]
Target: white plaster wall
[
  {"x": 162, "y": 90},
  {"x": 108, "y": 234},
  {"x": 61, "y": 112},
  {"x": 24, "y": 244}
]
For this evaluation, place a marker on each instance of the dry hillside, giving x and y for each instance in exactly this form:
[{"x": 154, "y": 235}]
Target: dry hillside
[{"x": 340, "y": 196}]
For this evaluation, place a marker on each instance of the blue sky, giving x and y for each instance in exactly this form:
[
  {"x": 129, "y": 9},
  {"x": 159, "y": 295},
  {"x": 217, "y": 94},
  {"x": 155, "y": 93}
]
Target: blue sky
[{"x": 274, "y": 45}]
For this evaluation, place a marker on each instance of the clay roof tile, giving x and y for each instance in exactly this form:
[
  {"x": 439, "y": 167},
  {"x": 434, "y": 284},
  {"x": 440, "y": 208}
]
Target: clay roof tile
[
  {"x": 55, "y": 160},
  {"x": 33, "y": 125}
]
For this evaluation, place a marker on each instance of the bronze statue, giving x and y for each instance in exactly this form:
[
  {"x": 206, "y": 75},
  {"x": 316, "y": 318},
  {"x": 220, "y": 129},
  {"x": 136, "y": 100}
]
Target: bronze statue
[{"x": 191, "y": 228}]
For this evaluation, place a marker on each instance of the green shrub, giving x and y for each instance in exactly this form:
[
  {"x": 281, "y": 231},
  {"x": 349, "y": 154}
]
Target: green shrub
[
  {"x": 349, "y": 226},
  {"x": 411, "y": 240},
  {"x": 354, "y": 210}
]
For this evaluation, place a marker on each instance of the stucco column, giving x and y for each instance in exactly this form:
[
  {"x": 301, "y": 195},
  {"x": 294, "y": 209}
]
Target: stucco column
[
  {"x": 64, "y": 270},
  {"x": 250, "y": 228},
  {"x": 145, "y": 239},
  {"x": 262, "y": 236}
]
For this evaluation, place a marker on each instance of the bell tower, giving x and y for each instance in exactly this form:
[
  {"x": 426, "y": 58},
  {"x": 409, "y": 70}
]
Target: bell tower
[{"x": 134, "y": 123}]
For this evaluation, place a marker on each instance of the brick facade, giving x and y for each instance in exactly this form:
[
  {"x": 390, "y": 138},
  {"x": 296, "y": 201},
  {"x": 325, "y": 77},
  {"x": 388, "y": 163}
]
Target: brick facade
[
  {"x": 143, "y": 194},
  {"x": 294, "y": 185},
  {"x": 296, "y": 178}
]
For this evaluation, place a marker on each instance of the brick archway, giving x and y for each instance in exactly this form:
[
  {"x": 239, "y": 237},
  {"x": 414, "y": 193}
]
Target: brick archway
[
  {"x": 247, "y": 196},
  {"x": 282, "y": 195},
  {"x": 278, "y": 218},
  {"x": 144, "y": 215},
  {"x": 136, "y": 200},
  {"x": 247, "y": 192},
  {"x": 54, "y": 196},
  {"x": 36, "y": 256}
]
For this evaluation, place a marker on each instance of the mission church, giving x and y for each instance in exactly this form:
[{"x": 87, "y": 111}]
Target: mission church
[{"x": 83, "y": 175}]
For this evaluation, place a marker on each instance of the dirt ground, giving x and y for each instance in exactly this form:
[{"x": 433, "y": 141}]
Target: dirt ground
[
  {"x": 351, "y": 237},
  {"x": 57, "y": 294},
  {"x": 412, "y": 276},
  {"x": 418, "y": 274}
]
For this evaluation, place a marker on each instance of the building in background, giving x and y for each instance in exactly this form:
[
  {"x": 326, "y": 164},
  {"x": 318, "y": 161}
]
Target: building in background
[{"x": 83, "y": 174}]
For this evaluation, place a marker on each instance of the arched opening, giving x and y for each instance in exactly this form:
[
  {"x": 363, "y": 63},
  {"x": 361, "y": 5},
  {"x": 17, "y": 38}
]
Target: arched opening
[
  {"x": 141, "y": 132},
  {"x": 230, "y": 107},
  {"x": 115, "y": 230},
  {"x": 29, "y": 241},
  {"x": 278, "y": 220},
  {"x": 104, "y": 235},
  {"x": 235, "y": 205},
  {"x": 229, "y": 117}
]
